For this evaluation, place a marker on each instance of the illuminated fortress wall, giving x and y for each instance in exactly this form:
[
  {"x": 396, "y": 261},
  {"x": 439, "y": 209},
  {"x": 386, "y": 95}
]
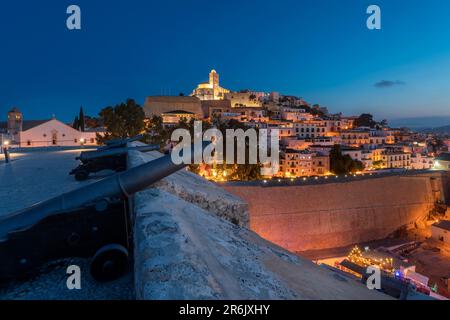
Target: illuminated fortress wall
[{"x": 310, "y": 217}]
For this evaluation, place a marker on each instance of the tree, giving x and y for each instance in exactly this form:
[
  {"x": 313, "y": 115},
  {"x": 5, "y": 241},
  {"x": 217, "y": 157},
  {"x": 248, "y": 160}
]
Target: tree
[
  {"x": 157, "y": 134},
  {"x": 81, "y": 119},
  {"x": 123, "y": 121},
  {"x": 436, "y": 144},
  {"x": 92, "y": 122},
  {"x": 340, "y": 164},
  {"x": 378, "y": 164},
  {"x": 365, "y": 120},
  {"x": 242, "y": 172},
  {"x": 76, "y": 123}
]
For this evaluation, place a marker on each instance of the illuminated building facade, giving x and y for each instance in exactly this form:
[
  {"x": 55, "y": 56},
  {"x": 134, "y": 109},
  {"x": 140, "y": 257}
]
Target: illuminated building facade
[{"x": 210, "y": 90}]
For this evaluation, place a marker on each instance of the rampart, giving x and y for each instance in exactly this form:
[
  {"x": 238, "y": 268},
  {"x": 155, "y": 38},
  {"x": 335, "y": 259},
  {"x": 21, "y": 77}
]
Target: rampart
[{"x": 328, "y": 215}]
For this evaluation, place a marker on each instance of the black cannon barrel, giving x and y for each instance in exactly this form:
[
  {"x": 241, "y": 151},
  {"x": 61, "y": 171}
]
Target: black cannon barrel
[
  {"x": 118, "y": 143},
  {"x": 119, "y": 185},
  {"x": 91, "y": 155}
]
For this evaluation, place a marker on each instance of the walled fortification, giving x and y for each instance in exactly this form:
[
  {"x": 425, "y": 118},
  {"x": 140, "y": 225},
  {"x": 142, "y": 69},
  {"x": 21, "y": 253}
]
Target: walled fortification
[{"x": 330, "y": 215}]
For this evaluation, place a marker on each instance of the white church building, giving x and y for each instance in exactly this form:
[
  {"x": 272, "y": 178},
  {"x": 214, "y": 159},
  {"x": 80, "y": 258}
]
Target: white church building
[{"x": 43, "y": 133}]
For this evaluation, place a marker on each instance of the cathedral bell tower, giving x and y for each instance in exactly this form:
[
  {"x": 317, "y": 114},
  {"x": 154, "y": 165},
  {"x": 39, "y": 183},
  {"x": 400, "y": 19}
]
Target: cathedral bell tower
[
  {"x": 214, "y": 79},
  {"x": 15, "y": 122}
]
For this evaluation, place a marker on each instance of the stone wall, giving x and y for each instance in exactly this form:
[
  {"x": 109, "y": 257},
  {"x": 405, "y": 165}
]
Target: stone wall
[
  {"x": 183, "y": 252},
  {"x": 184, "y": 248},
  {"x": 157, "y": 105},
  {"x": 310, "y": 217},
  {"x": 194, "y": 189}
]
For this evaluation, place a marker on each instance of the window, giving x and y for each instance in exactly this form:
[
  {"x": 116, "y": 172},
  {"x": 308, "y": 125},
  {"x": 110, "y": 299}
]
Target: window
[{"x": 75, "y": 140}]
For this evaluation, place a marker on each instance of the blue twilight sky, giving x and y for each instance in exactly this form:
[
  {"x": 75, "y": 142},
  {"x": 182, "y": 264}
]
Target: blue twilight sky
[{"x": 320, "y": 50}]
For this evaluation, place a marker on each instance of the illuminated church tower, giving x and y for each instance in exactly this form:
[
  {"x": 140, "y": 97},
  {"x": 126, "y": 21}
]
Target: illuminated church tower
[
  {"x": 214, "y": 79},
  {"x": 210, "y": 90}
]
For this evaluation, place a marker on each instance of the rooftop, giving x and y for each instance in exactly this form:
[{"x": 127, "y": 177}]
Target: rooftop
[
  {"x": 444, "y": 157},
  {"x": 297, "y": 151},
  {"x": 172, "y": 99},
  {"x": 443, "y": 224},
  {"x": 179, "y": 112},
  {"x": 26, "y": 124}
]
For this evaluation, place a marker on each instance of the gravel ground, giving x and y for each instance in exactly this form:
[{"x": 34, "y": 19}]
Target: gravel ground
[{"x": 51, "y": 285}]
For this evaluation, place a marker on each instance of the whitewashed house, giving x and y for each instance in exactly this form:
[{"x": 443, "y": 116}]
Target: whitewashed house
[
  {"x": 44, "y": 133},
  {"x": 54, "y": 133}
]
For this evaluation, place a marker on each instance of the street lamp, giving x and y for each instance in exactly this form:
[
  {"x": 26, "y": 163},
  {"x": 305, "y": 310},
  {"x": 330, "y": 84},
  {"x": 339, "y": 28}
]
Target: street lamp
[{"x": 5, "y": 150}]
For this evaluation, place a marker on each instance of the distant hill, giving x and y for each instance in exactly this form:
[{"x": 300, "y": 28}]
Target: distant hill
[
  {"x": 444, "y": 129},
  {"x": 421, "y": 123}
]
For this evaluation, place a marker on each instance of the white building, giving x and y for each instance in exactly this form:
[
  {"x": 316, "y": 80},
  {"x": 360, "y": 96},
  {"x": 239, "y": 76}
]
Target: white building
[
  {"x": 44, "y": 133},
  {"x": 54, "y": 133},
  {"x": 311, "y": 129},
  {"x": 393, "y": 159},
  {"x": 421, "y": 162},
  {"x": 440, "y": 231},
  {"x": 295, "y": 114}
]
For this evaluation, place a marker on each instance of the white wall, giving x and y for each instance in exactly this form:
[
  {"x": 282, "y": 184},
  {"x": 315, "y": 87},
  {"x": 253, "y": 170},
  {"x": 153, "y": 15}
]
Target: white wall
[
  {"x": 437, "y": 233},
  {"x": 55, "y": 133}
]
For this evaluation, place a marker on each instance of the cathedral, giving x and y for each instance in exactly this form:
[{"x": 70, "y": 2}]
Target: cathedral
[{"x": 210, "y": 90}]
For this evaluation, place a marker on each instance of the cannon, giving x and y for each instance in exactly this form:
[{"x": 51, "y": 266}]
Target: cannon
[
  {"x": 107, "y": 159},
  {"x": 90, "y": 222},
  {"x": 120, "y": 143}
]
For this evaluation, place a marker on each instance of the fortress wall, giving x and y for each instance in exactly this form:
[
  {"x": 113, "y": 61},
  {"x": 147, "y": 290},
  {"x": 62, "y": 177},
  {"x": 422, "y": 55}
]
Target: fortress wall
[
  {"x": 446, "y": 187},
  {"x": 159, "y": 104},
  {"x": 322, "y": 216}
]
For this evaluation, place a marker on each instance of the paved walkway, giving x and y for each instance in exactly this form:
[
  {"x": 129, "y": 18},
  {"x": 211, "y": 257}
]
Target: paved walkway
[{"x": 35, "y": 176}]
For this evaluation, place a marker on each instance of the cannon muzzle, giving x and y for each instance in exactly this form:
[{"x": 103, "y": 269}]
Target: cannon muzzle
[{"x": 120, "y": 143}]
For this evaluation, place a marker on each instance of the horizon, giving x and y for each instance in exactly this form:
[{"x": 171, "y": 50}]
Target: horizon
[{"x": 322, "y": 52}]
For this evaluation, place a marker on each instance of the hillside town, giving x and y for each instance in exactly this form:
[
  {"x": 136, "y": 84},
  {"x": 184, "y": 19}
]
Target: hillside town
[
  {"x": 313, "y": 141},
  {"x": 315, "y": 145}
]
